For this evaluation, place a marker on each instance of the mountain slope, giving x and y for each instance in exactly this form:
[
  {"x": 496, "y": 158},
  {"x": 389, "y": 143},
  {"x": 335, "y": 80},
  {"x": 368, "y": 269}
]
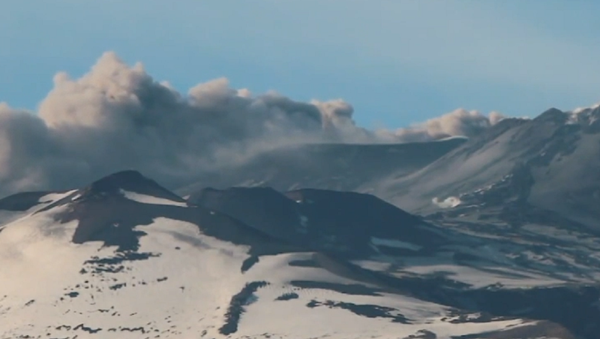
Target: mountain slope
[
  {"x": 326, "y": 166},
  {"x": 474, "y": 266},
  {"x": 346, "y": 223},
  {"x": 124, "y": 258},
  {"x": 549, "y": 163}
]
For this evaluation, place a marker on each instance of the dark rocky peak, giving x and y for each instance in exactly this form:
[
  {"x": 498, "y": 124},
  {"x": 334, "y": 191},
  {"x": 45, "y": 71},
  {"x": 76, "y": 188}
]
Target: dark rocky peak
[
  {"x": 115, "y": 209},
  {"x": 340, "y": 222},
  {"x": 553, "y": 115},
  {"x": 117, "y": 187},
  {"x": 126, "y": 181}
]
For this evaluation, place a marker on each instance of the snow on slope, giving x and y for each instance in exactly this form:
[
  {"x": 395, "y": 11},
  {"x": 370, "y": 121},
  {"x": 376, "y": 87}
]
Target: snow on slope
[
  {"x": 149, "y": 199},
  {"x": 549, "y": 162},
  {"x": 181, "y": 283},
  {"x": 584, "y": 109},
  {"x": 394, "y": 244},
  {"x": 12, "y": 214}
]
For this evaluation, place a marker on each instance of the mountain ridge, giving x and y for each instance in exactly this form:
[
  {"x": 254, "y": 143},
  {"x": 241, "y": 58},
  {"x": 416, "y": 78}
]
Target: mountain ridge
[
  {"x": 167, "y": 236},
  {"x": 491, "y": 237},
  {"x": 121, "y": 245}
]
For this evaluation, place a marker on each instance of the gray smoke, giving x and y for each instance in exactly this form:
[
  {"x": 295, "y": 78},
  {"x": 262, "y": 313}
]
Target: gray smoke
[
  {"x": 118, "y": 117},
  {"x": 459, "y": 122}
]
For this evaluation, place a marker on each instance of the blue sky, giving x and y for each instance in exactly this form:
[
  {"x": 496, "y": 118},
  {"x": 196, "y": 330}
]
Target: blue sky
[{"x": 396, "y": 62}]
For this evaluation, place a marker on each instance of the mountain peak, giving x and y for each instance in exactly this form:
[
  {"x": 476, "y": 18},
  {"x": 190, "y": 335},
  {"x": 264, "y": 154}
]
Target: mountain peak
[
  {"x": 120, "y": 180},
  {"x": 128, "y": 181},
  {"x": 553, "y": 115}
]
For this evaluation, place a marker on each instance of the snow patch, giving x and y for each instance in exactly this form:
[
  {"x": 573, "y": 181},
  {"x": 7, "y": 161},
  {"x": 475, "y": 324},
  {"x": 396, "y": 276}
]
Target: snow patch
[
  {"x": 449, "y": 202},
  {"x": 148, "y": 199},
  {"x": 52, "y": 197},
  {"x": 395, "y": 244},
  {"x": 7, "y": 217},
  {"x": 461, "y": 137}
]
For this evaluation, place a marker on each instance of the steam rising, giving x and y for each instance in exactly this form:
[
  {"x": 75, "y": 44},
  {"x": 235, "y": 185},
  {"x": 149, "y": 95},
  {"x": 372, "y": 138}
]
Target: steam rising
[{"x": 118, "y": 117}]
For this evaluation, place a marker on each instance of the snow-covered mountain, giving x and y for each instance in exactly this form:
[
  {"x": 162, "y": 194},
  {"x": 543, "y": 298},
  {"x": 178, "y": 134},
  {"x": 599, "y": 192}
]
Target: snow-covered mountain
[
  {"x": 543, "y": 166},
  {"x": 492, "y": 237},
  {"x": 126, "y": 258}
]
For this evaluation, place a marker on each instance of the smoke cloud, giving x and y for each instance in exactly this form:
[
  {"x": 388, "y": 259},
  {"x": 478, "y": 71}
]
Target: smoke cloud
[
  {"x": 459, "y": 122},
  {"x": 118, "y": 117}
]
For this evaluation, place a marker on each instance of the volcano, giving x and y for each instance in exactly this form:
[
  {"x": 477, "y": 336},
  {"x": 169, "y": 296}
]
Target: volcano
[{"x": 125, "y": 257}]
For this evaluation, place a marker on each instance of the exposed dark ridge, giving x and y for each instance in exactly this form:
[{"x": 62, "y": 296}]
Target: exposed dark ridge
[
  {"x": 22, "y": 201},
  {"x": 260, "y": 207},
  {"x": 320, "y": 196},
  {"x": 113, "y": 185},
  {"x": 362, "y": 214},
  {"x": 119, "y": 180},
  {"x": 552, "y": 115},
  {"x": 264, "y": 196},
  {"x": 321, "y": 220},
  {"x": 114, "y": 221},
  {"x": 130, "y": 180},
  {"x": 236, "y": 306}
]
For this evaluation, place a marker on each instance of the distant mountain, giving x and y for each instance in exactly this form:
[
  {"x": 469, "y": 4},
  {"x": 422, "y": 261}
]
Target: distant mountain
[
  {"x": 517, "y": 171},
  {"x": 547, "y": 165},
  {"x": 126, "y": 258},
  {"x": 343, "y": 167}
]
